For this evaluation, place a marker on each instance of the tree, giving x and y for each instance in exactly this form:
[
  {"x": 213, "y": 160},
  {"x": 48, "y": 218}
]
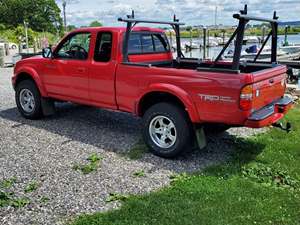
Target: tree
[
  {"x": 42, "y": 15},
  {"x": 71, "y": 27},
  {"x": 95, "y": 24},
  {"x": 189, "y": 28}
]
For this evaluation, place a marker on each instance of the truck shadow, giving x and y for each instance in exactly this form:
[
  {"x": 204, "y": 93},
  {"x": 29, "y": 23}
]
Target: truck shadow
[{"x": 120, "y": 132}]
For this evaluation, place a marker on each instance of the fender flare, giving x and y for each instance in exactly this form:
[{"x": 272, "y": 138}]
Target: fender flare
[
  {"x": 176, "y": 91},
  {"x": 35, "y": 76}
]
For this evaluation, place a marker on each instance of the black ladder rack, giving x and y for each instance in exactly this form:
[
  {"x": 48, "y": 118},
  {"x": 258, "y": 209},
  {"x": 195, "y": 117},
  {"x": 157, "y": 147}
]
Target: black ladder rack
[
  {"x": 239, "y": 35},
  {"x": 131, "y": 22}
]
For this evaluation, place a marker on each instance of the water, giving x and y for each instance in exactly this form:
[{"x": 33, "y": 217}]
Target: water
[{"x": 212, "y": 52}]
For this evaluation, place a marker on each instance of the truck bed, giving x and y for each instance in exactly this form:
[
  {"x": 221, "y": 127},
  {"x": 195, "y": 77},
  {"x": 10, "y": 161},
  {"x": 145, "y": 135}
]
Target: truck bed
[{"x": 196, "y": 64}]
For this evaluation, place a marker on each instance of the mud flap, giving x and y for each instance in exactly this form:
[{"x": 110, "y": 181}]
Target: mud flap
[
  {"x": 201, "y": 138},
  {"x": 287, "y": 127},
  {"x": 48, "y": 107}
]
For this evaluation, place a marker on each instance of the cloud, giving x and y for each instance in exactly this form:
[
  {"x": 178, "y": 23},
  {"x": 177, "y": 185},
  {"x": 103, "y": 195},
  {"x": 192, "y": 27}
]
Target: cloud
[{"x": 192, "y": 12}]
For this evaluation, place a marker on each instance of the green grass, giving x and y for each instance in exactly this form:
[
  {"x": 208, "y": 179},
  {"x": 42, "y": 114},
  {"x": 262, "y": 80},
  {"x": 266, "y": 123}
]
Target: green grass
[
  {"x": 91, "y": 166},
  {"x": 7, "y": 196},
  {"x": 31, "y": 187},
  {"x": 8, "y": 199},
  {"x": 260, "y": 185},
  {"x": 139, "y": 173},
  {"x": 137, "y": 151},
  {"x": 44, "y": 200},
  {"x": 116, "y": 197},
  {"x": 8, "y": 183}
]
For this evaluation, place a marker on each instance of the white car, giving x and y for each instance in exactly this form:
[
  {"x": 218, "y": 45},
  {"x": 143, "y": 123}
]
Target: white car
[{"x": 13, "y": 45}]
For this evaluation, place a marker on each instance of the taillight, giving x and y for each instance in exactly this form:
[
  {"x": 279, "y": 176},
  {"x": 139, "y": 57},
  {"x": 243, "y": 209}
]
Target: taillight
[{"x": 246, "y": 97}]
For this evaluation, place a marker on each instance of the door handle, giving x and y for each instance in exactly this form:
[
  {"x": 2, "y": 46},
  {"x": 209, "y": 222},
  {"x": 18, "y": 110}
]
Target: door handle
[{"x": 81, "y": 69}]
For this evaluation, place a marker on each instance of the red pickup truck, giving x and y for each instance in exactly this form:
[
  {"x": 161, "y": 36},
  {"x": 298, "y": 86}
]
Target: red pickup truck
[{"x": 132, "y": 70}]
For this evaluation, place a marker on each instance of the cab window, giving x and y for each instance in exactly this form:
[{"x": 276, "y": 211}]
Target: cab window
[
  {"x": 160, "y": 43},
  {"x": 103, "y": 47},
  {"x": 75, "y": 47},
  {"x": 145, "y": 43},
  {"x": 134, "y": 44}
]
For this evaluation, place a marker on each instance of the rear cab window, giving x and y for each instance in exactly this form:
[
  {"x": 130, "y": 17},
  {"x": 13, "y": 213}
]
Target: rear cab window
[{"x": 147, "y": 43}]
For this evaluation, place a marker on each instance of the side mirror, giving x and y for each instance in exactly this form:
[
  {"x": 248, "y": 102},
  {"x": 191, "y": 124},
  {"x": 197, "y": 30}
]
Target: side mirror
[{"x": 47, "y": 52}]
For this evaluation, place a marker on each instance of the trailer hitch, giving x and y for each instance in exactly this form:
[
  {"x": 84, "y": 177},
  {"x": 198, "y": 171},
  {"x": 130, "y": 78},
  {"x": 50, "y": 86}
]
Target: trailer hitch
[{"x": 287, "y": 127}]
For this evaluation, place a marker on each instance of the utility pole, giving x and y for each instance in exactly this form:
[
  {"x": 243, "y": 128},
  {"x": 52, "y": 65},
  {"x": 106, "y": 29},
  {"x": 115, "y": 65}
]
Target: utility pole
[
  {"x": 64, "y": 12},
  {"x": 26, "y": 35},
  {"x": 216, "y": 16}
]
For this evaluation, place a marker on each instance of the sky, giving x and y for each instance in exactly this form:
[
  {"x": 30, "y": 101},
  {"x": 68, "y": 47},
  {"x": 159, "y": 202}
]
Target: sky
[{"x": 191, "y": 12}]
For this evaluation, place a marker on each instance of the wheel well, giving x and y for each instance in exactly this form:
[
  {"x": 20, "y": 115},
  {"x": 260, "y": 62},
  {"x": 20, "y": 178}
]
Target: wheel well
[
  {"x": 23, "y": 76},
  {"x": 155, "y": 97}
]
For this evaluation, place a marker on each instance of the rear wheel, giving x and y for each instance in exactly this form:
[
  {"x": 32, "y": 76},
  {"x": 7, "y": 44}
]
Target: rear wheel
[
  {"x": 28, "y": 100},
  {"x": 167, "y": 130}
]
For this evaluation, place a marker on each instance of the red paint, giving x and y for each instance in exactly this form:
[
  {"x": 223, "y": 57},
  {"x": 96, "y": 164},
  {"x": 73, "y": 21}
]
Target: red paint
[{"x": 114, "y": 85}]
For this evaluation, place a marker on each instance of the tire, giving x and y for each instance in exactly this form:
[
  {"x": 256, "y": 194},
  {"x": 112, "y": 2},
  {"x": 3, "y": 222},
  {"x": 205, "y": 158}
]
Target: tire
[
  {"x": 173, "y": 126},
  {"x": 27, "y": 90}
]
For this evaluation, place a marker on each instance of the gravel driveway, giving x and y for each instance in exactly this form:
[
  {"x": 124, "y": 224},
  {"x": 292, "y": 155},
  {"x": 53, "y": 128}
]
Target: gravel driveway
[{"x": 45, "y": 152}]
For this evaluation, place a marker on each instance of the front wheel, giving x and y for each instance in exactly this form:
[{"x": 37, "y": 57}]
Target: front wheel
[
  {"x": 28, "y": 100},
  {"x": 167, "y": 130}
]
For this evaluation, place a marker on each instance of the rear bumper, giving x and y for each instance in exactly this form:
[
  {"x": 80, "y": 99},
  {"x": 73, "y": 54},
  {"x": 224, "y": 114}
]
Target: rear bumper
[{"x": 270, "y": 114}]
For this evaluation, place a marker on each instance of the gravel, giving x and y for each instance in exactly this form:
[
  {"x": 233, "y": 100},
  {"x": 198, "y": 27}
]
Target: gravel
[{"x": 45, "y": 151}]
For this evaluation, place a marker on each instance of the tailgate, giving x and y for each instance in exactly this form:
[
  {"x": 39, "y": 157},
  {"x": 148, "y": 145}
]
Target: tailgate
[{"x": 268, "y": 86}]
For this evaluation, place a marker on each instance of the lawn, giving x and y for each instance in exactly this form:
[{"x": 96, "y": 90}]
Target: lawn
[{"x": 260, "y": 185}]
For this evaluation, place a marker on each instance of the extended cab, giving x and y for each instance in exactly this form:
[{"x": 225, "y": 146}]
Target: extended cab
[{"x": 133, "y": 70}]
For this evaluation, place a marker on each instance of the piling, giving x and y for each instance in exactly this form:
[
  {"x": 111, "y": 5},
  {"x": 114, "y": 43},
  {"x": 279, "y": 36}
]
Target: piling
[
  {"x": 263, "y": 34},
  {"x": 204, "y": 42},
  {"x": 199, "y": 37},
  {"x": 223, "y": 36},
  {"x": 286, "y": 43},
  {"x": 191, "y": 39}
]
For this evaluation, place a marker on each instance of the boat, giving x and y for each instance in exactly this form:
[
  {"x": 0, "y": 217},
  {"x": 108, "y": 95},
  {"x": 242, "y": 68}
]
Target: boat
[
  {"x": 193, "y": 45},
  {"x": 251, "y": 52},
  {"x": 251, "y": 40},
  {"x": 291, "y": 49}
]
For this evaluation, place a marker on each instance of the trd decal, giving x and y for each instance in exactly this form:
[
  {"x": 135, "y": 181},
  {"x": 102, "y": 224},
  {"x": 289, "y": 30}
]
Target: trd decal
[{"x": 216, "y": 98}]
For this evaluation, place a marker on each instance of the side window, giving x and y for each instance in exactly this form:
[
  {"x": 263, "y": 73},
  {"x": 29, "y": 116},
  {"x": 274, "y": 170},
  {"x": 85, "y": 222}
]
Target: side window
[
  {"x": 134, "y": 44},
  {"x": 160, "y": 43},
  {"x": 75, "y": 47},
  {"x": 103, "y": 47},
  {"x": 147, "y": 43}
]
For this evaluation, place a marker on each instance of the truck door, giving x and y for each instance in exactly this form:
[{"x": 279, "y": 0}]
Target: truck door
[
  {"x": 102, "y": 71},
  {"x": 66, "y": 75}
]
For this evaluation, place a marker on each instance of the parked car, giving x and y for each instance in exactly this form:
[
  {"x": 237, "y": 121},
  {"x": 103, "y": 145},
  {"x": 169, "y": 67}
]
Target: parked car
[
  {"x": 13, "y": 45},
  {"x": 133, "y": 70}
]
